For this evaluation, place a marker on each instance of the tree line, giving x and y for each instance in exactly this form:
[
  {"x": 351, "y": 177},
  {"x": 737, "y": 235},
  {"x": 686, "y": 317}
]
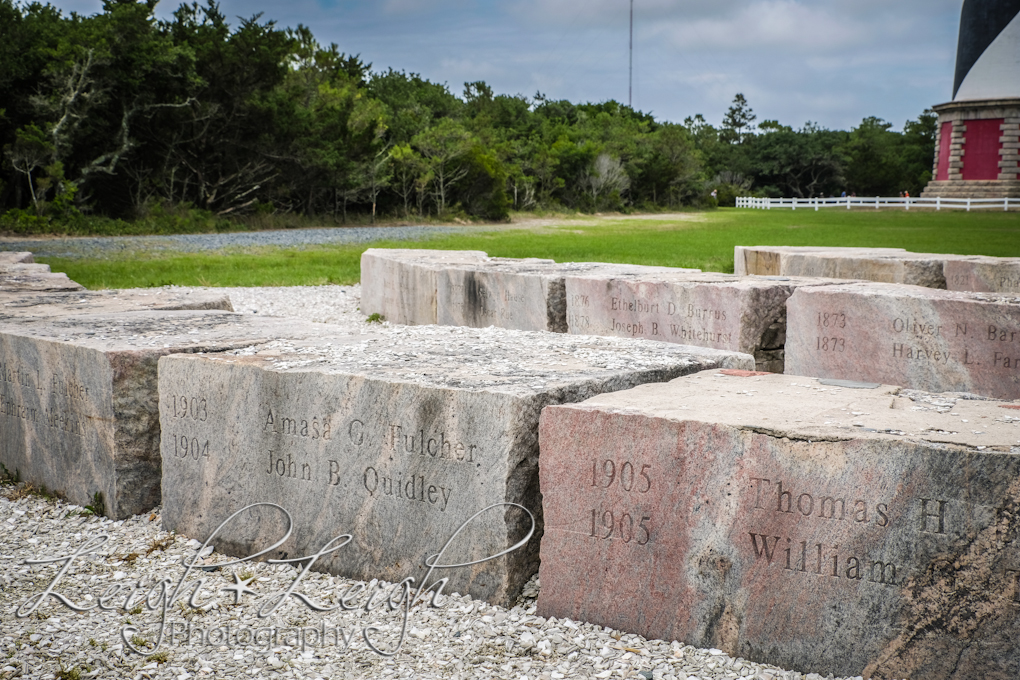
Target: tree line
[{"x": 119, "y": 112}]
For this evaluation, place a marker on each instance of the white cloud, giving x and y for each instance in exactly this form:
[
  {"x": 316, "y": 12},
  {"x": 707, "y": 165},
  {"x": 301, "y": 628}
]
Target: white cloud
[{"x": 832, "y": 61}]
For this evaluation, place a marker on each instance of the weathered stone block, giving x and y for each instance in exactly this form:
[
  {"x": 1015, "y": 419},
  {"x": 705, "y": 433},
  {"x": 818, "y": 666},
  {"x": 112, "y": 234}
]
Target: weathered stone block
[
  {"x": 27, "y": 305},
  {"x": 10, "y": 257},
  {"x": 768, "y": 260},
  {"x": 527, "y": 294},
  {"x": 885, "y": 265},
  {"x": 786, "y": 520},
  {"x": 397, "y": 440},
  {"x": 940, "y": 341},
  {"x": 400, "y": 284},
  {"x": 28, "y": 276},
  {"x": 984, "y": 274},
  {"x": 78, "y": 403},
  {"x": 740, "y": 314}
]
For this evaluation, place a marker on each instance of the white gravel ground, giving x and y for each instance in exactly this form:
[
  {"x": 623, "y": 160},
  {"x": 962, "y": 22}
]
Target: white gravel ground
[{"x": 463, "y": 638}]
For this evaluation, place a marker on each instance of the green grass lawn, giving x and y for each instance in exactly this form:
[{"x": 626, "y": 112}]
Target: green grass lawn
[{"x": 701, "y": 240}]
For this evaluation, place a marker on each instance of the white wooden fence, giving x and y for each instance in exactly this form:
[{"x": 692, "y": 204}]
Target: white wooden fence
[{"x": 877, "y": 202}]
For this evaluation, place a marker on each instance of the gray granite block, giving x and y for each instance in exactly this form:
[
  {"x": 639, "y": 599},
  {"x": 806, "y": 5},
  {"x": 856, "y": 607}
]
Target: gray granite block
[
  {"x": 400, "y": 284},
  {"x": 31, "y": 277},
  {"x": 884, "y": 265},
  {"x": 78, "y": 402},
  {"x": 984, "y": 274},
  {"x": 520, "y": 294},
  {"x": 397, "y": 439},
  {"x": 11, "y": 257},
  {"x": 28, "y": 305}
]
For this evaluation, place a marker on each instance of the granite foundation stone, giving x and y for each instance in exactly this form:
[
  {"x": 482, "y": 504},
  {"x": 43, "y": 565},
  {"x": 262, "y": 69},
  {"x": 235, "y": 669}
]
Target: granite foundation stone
[
  {"x": 836, "y": 527},
  {"x": 521, "y": 294},
  {"x": 885, "y": 265},
  {"x": 78, "y": 402},
  {"x": 940, "y": 341},
  {"x": 27, "y": 276},
  {"x": 396, "y": 439},
  {"x": 740, "y": 314},
  {"x": 30, "y": 305},
  {"x": 11, "y": 257},
  {"x": 400, "y": 284},
  {"x": 984, "y": 274}
]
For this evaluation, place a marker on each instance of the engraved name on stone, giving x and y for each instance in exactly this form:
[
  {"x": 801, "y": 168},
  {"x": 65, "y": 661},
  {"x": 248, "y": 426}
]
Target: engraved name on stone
[{"x": 931, "y": 340}]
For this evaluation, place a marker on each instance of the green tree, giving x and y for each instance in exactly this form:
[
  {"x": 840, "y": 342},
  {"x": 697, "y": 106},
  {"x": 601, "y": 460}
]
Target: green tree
[
  {"x": 739, "y": 120},
  {"x": 443, "y": 146}
]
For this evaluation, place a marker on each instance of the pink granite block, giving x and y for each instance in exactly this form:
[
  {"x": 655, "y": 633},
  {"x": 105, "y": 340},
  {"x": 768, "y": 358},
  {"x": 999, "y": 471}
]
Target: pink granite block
[
  {"x": 791, "y": 521},
  {"x": 743, "y": 314},
  {"x": 984, "y": 274},
  {"x": 940, "y": 341}
]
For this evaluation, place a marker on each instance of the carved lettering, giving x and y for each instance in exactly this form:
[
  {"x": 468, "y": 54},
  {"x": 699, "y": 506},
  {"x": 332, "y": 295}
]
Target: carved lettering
[
  {"x": 902, "y": 351},
  {"x": 192, "y": 448},
  {"x": 579, "y": 300},
  {"x": 288, "y": 467},
  {"x": 916, "y": 327},
  {"x": 625, "y": 527},
  {"x": 996, "y": 334},
  {"x": 70, "y": 388},
  {"x": 627, "y": 476},
  {"x": 832, "y": 320},
  {"x": 620, "y": 305},
  {"x": 13, "y": 409},
  {"x": 414, "y": 488},
  {"x": 1000, "y": 360},
  {"x": 188, "y": 408},
  {"x": 770, "y": 495},
  {"x": 72, "y": 423},
  {"x": 705, "y": 314},
  {"x": 303, "y": 428},
  {"x": 435, "y": 445},
  {"x": 632, "y": 329},
  {"x": 17, "y": 375},
  {"x": 699, "y": 335},
  {"x": 830, "y": 344},
  {"x": 819, "y": 559}
]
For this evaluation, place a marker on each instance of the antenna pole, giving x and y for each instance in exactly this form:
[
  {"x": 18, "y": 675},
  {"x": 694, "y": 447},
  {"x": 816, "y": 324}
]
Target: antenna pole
[{"x": 630, "y": 87}]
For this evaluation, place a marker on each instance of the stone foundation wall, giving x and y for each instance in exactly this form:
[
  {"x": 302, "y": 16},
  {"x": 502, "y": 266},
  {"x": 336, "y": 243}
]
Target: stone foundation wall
[{"x": 958, "y": 113}]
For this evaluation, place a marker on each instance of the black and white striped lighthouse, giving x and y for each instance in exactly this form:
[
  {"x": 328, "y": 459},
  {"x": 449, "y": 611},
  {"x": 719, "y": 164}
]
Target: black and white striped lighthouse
[{"x": 977, "y": 153}]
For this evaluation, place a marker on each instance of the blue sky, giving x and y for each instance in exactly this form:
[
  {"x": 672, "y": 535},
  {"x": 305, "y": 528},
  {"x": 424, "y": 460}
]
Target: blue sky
[{"x": 828, "y": 61}]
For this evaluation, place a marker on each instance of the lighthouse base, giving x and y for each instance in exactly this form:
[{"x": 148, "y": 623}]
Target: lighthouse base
[{"x": 977, "y": 150}]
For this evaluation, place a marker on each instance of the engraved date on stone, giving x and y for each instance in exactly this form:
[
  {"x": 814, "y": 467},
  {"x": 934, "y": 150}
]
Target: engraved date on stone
[
  {"x": 188, "y": 408},
  {"x": 608, "y": 526},
  {"x": 192, "y": 448},
  {"x": 831, "y": 319},
  {"x": 830, "y": 344},
  {"x": 626, "y": 476}
]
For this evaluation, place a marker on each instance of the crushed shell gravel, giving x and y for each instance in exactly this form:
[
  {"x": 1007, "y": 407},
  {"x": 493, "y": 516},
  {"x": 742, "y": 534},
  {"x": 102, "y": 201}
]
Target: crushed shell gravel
[{"x": 462, "y": 638}]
